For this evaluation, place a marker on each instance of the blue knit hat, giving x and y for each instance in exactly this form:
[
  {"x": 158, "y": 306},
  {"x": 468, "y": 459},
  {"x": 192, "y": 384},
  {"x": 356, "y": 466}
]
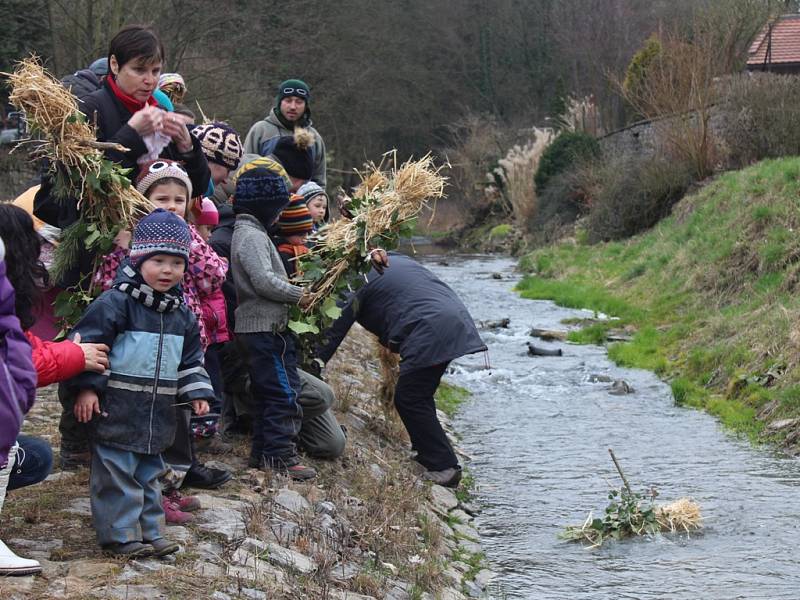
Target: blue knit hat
[
  {"x": 160, "y": 232},
  {"x": 260, "y": 191}
]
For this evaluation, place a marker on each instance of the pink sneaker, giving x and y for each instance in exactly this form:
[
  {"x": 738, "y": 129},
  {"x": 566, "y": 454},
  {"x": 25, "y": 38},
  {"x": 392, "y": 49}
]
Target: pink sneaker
[
  {"x": 184, "y": 503},
  {"x": 174, "y": 515}
]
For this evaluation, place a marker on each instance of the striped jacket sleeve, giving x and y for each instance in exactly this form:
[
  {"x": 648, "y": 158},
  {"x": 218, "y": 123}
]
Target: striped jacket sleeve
[{"x": 193, "y": 381}]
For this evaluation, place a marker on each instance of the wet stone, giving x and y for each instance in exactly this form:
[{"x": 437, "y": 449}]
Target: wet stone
[
  {"x": 466, "y": 531},
  {"x": 483, "y": 578}
]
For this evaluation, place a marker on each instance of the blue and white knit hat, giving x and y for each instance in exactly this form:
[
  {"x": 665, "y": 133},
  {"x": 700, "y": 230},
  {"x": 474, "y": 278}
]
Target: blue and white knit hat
[{"x": 160, "y": 232}]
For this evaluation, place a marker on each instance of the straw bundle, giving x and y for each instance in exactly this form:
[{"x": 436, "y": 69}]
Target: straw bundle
[
  {"x": 104, "y": 194},
  {"x": 383, "y": 208},
  {"x": 681, "y": 515}
]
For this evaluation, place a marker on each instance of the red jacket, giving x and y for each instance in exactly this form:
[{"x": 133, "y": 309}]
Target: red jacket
[{"x": 55, "y": 361}]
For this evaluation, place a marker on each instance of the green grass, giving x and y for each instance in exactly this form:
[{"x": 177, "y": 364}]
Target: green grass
[
  {"x": 449, "y": 397},
  {"x": 500, "y": 231},
  {"x": 712, "y": 291}
]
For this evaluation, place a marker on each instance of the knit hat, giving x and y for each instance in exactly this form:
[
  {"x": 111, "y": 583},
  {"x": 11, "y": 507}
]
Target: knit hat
[
  {"x": 154, "y": 171},
  {"x": 293, "y": 87},
  {"x": 168, "y": 78},
  {"x": 100, "y": 67},
  {"x": 296, "y": 153},
  {"x": 295, "y": 218},
  {"x": 160, "y": 232},
  {"x": 208, "y": 215},
  {"x": 261, "y": 191},
  {"x": 310, "y": 189},
  {"x": 220, "y": 142}
]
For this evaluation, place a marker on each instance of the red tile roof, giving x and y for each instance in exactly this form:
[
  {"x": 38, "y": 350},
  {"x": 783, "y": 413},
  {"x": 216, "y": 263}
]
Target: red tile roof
[{"x": 785, "y": 47}]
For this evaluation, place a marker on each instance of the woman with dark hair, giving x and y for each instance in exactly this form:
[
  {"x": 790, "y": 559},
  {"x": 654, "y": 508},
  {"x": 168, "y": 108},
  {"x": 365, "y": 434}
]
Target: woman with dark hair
[
  {"x": 125, "y": 112},
  {"x": 53, "y": 361}
]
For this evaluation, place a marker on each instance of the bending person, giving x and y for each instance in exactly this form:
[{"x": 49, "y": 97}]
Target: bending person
[{"x": 415, "y": 314}]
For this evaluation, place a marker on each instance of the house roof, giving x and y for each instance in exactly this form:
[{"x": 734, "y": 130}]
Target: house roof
[{"x": 785, "y": 46}]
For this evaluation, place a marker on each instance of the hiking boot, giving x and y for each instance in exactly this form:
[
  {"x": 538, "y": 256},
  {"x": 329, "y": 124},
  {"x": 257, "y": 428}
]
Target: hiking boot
[
  {"x": 201, "y": 476},
  {"x": 185, "y": 503},
  {"x": 290, "y": 466},
  {"x": 128, "y": 550},
  {"x": 447, "y": 477},
  {"x": 11, "y": 564},
  {"x": 163, "y": 547},
  {"x": 173, "y": 515}
]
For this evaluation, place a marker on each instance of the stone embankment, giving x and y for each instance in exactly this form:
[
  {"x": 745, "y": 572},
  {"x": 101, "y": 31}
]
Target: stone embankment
[{"x": 368, "y": 527}]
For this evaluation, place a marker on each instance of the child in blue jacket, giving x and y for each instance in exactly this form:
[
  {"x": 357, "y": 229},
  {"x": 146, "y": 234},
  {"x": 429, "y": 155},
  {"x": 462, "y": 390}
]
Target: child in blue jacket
[{"x": 155, "y": 359}]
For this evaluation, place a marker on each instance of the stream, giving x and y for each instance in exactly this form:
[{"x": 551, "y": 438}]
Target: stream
[{"x": 537, "y": 430}]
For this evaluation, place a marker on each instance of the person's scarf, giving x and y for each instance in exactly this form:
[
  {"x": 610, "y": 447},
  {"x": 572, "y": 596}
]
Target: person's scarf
[
  {"x": 130, "y": 103},
  {"x": 143, "y": 293}
]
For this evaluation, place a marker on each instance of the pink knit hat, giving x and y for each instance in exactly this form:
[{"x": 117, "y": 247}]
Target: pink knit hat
[{"x": 209, "y": 215}]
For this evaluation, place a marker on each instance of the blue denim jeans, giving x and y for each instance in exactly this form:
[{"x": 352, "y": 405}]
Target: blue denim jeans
[
  {"x": 126, "y": 495},
  {"x": 275, "y": 386},
  {"x": 34, "y": 462}
]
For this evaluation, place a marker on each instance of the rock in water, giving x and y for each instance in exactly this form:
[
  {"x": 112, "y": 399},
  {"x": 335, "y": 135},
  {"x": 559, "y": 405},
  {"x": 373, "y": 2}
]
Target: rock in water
[
  {"x": 496, "y": 276},
  {"x": 537, "y": 351},
  {"x": 620, "y": 387},
  {"x": 496, "y": 324}
]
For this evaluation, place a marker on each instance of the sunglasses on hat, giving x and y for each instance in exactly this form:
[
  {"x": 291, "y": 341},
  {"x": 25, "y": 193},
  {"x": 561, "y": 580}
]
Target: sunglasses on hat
[{"x": 295, "y": 91}]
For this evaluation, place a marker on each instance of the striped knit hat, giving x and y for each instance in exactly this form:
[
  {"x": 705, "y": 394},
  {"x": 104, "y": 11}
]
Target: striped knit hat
[
  {"x": 261, "y": 190},
  {"x": 221, "y": 144},
  {"x": 154, "y": 171},
  {"x": 160, "y": 232},
  {"x": 295, "y": 218}
]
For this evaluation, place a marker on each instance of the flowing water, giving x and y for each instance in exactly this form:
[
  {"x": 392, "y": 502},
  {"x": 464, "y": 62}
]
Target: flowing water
[{"x": 538, "y": 430}]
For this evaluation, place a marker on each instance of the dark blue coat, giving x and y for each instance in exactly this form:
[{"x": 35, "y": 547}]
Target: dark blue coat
[
  {"x": 155, "y": 358},
  {"x": 413, "y": 313}
]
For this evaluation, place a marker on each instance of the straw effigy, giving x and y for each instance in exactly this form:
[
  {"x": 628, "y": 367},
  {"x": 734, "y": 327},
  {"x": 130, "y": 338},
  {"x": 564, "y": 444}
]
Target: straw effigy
[
  {"x": 383, "y": 207},
  {"x": 106, "y": 199}
]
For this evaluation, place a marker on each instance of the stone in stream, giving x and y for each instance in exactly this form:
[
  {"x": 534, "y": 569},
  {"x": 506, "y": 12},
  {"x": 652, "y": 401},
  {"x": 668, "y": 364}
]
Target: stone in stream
[
  {"x": 497, "y": 275},
  {"x": 548, "y": 335},
  {"x": 494, "y": 324},
  {"x": 539, "y": 351},
  {"x": 595, "y": 378},
  {"x": 620, "y": 387}
]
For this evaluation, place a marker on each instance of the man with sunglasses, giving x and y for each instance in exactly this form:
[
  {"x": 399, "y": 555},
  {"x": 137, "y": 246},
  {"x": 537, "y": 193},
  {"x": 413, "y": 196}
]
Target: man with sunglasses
[{"x": 292, "y": 109}]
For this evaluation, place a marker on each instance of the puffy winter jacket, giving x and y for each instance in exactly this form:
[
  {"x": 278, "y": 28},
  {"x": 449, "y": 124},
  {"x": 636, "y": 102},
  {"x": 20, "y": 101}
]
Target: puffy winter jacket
[
  {"x": 17, "y": 375},
  {"x": 413, "y": 313},
  {"x": 55, "y": 361},
  {"x": 155, "y": 358}
]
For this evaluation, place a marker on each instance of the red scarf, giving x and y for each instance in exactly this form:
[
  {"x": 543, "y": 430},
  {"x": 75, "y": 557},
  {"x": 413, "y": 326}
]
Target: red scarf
[{"x": 131, "y": 103}]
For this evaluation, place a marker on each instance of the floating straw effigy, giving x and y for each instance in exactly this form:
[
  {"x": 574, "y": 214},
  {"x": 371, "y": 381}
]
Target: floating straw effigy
[
  {"x": 107, "y": 200},
  {"x": 681, "y": 515}
]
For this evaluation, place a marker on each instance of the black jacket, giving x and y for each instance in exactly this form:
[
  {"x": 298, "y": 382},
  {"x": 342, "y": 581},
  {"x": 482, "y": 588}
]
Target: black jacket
[
  {"x": 155, "y": 358},
  {"x": 82, "y": 83},
  {"x": 412, "y": 312},
  {"x": 112, "y": 118}
]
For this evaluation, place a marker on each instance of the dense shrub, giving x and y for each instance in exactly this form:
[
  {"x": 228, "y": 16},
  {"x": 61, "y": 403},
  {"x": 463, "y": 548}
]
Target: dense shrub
[
  {"x": 562, "y": 202},
  {"x": 761, "y": 117},
  {"x": 631, "y": 195},
  {"x": 566, "y": 150}
]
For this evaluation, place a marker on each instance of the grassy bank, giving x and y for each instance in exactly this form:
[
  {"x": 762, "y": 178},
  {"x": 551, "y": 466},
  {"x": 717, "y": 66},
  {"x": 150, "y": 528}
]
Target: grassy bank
[{"x": 712, "y": 292}]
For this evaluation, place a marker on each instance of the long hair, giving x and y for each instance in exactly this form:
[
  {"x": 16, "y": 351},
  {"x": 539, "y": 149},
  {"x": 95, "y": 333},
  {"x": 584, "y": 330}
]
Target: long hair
[{"x": 24, "y": 270}]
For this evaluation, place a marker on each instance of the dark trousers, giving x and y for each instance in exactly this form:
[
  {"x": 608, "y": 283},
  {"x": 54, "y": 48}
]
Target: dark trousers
[
  {"x": 413, "y": 398},
  {"x": 33, "y": 462},
  {"x": 275, "y": 385},
  {"x": 214, "y": 370},
  {"x": 74, "y": 435}
]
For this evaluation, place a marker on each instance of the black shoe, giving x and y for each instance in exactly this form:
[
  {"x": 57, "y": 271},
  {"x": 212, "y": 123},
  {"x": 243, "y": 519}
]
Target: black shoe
[
  {"x": 201, "y": 476},
  {"x": 128, "y": 550}
]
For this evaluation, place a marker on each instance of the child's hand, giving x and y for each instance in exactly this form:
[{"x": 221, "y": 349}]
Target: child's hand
[
  {"x": 86, "y": 406},
  {"x": 305, "y": 299},
  {"x": 200, "y": 407}
]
